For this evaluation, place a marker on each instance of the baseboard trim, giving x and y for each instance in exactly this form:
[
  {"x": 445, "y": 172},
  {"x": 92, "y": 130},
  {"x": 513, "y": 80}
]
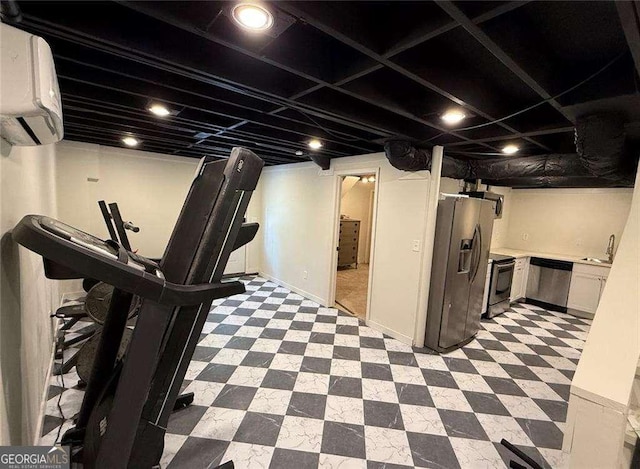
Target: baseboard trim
[
  {"x": 390, "y": 332},
  {"x": 580, "y": 314},
  {"x": 299, "y": 291},
  {"x": 43, "y": 401}
]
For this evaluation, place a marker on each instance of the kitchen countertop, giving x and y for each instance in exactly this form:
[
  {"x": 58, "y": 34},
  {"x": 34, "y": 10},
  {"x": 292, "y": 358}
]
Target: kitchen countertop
[{"x": 546, "y": 255}]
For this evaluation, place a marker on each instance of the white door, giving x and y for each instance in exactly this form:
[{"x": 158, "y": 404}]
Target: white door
[
  {"x": 584, "y": 292},
  {"x": 236, "y": 263}
]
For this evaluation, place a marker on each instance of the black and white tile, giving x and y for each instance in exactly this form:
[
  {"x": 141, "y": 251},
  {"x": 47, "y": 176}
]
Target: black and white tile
[{"x": 281, "y": 382}]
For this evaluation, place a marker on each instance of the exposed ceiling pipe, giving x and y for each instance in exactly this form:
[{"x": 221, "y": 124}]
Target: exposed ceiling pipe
[{"x": 604, "y": 159}]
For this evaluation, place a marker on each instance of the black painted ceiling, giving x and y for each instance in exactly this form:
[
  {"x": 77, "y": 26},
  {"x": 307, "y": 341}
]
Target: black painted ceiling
[{"x": 349, "y": 73}]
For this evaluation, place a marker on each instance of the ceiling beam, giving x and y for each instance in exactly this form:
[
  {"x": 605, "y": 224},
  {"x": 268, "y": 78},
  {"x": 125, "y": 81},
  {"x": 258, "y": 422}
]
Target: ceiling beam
[
  {"x": 110, "y": 128},
  {"x": 148, "y": 10},
  {"x": 501, "y": 55},
  {"x": 240, "y": 113},
  {"x": 167, "y": 144},
  {"x": 416, "y": 39},
  {"x": 629, "y": 12},
  {"x": 46, "y": 28},
  {"x": 79, "y": 118},
  {"x": 413, "y": 40},
  {"x": 327, "y": 29},
  {"x": 79, "y": 136},
  {"x": 106, "y": 120},
  {"x": 257, "y": 118},
  {"x": 535, "y": 133}
]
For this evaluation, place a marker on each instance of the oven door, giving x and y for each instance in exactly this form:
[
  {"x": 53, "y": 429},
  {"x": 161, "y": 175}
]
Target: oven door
[{"x": 501, "y": 277}]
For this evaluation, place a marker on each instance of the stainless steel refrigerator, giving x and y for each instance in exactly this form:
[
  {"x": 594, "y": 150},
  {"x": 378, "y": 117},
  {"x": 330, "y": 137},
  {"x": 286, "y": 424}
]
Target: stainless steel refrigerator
[{"x": 458, "y": 274}]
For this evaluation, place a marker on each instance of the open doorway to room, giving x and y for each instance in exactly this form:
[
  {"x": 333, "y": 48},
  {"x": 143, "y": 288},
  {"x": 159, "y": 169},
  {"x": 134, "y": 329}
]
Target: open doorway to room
[{"x": 356, "y": 218}]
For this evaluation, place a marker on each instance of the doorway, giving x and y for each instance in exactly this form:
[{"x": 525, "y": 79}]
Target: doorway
[{"x": 356, "y": 220}]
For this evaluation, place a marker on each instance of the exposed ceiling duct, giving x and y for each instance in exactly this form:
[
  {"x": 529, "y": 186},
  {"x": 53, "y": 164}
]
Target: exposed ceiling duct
[
  {"x": 321, "y": 160},
  {"x": 10, "y": 11},
  {"x": 603, "y": 159}
]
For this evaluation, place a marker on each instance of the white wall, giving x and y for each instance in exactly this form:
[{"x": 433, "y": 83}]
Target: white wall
[
  {"x": 574, "y": 222},
  {"x": 27, "y": 185},
  {"x": 355, "y": 204},
  {"x": 501, "y": 225},
  {"x": 602, "y": 385},
  {"x": 149, "y": 188},
  {"x": 451, "y": 186},
  {"x": 254, "y": 215},
  {"x": 298, "y": 210}
]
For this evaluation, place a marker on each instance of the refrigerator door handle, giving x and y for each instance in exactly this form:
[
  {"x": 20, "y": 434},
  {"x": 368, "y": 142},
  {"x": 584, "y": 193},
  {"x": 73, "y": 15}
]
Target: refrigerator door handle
[{"x": 477, "y": 246}]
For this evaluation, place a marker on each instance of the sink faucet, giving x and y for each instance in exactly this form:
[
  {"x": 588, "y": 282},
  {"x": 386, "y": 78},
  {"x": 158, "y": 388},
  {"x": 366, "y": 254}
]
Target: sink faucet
[{"x": 612, "y": 242}]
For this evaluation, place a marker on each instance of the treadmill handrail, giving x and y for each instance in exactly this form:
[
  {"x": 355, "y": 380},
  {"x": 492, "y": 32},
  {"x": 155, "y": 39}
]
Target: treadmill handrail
[{"x": 123, "y": 276}]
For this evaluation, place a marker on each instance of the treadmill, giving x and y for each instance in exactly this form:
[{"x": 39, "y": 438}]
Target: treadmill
[{"x": 127, "y": 403}]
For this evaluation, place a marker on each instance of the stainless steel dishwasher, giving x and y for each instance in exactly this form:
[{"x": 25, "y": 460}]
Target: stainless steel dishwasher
[{"x": 548, "y": 283}]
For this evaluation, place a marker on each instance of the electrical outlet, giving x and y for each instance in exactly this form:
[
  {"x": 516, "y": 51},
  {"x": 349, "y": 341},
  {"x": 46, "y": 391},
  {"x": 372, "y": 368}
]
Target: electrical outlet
[
  {"x": 415, "y": 245},
  {"x": 525, "y": 236},
  {"x": 579, "y": 242},
  {"x": 304, "y": 274}
]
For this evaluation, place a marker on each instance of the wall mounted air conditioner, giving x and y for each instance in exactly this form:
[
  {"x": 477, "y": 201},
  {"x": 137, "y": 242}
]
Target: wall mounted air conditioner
[{"x": 30, "y": 107}]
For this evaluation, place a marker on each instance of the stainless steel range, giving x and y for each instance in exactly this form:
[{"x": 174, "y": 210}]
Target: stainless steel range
[{"x": 500, "y": 285}]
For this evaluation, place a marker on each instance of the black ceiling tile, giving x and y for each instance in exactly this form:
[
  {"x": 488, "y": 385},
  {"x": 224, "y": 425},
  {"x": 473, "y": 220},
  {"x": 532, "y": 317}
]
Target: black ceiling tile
[
  {"x": 304, "y": 48},
  {"x": 457, "y": 63},
  {"x": 233, "y": 88},
  {"x": 542, "y": 116},
  {"x": 559, "y": 43},
  {"x": 202, "y": 14},
  {"x": 162, "y": 46},
  {"x": 375, "y": 25},
  {"x": 487, "y": 131},
  {"x": 298, "y": 141},
  {"x": 560, "y": 143},
  {"x": 475, "y": 8},
  {"x": 313, "y": 125},
  {"x": 394, "y": 90},
  {"x": 618, "y": 79},
  {"x": 368, "y": 114}
]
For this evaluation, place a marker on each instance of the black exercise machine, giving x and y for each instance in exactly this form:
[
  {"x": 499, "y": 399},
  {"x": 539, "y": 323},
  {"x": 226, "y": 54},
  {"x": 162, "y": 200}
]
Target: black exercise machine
[
  {"x": 127, "y": 403},
  {"x": 96, "y": 303}
]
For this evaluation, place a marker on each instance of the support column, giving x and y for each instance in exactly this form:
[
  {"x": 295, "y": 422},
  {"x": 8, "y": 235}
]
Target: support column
[{"x": 427, "y": 250}]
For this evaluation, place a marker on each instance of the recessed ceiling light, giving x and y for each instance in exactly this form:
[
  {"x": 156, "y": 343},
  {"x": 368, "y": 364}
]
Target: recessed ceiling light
[
  {"x": 454, "y": 116},
  {"x": 252, "y": 16},
  {"x": 510, "y": 149},
  {"x": 299, "y": 153},
  {"x": 315, "y": 144},
  {"x": 159, "y": 110},
  {"x": 130, "y": 141},
  {"x": 372, "y": 179},
  {"x": 364, "y": 180}
]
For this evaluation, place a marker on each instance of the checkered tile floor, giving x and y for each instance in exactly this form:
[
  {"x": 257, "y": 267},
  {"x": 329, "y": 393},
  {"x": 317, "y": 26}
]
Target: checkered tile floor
[{"x": 281, "y": 382}]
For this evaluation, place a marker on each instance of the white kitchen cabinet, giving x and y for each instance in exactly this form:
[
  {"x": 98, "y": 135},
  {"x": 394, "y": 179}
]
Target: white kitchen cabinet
[
  {"x": 587, "y": 285},
  {"x": 519, "y": 282},
  {"x": 602, "y": 285}
]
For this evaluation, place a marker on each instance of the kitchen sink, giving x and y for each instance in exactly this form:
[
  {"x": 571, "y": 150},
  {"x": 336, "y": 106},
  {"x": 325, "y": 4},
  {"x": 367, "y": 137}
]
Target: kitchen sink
[{"x": 595, "y": 259}]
